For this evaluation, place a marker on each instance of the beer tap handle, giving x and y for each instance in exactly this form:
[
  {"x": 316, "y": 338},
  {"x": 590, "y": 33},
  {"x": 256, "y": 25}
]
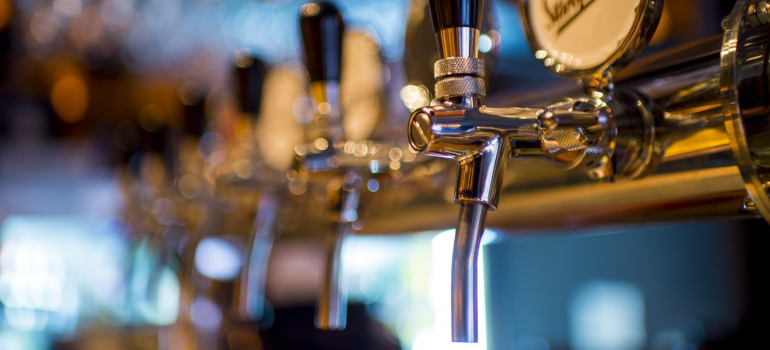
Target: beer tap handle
[
  {"x": 451, "y": 14},
  {"x": 250, "y": 73},
  {"x": 459, "y": 72},
  {"x": 322, "y": 29},
  {"x": 194, "y": 120},
  {"x": 457, "y": 25}
]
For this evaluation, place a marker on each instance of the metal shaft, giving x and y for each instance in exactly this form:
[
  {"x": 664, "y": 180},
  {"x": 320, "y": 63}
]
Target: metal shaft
[
  {"x": 331, "y": 312},
  {"x": 473, "y": 218},
  {"x": 266, "y": 227}
]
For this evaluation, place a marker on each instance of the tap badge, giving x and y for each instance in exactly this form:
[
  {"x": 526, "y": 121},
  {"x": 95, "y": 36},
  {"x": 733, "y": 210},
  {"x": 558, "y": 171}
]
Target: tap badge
[
  {"x": 581, "y": 35},
  {"x": 563, "y": 12}
]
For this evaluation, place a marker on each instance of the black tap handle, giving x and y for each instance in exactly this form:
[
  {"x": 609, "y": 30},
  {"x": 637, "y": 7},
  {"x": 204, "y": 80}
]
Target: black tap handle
[
  {"x": 192, "y": 97},
  {"x": 194, "y": 119},
  {"x": 456, "y": 13},
  {"x": 250, "y": 73},
  {"x": 322, "y": 28}
]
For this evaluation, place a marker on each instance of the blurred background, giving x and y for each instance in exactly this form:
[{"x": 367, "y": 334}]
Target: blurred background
[{"x": 119, "y": 117}]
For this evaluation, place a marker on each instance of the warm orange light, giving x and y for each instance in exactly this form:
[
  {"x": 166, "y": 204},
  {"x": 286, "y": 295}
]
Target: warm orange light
[
  {"x": 6, "y": 12},
  {"x": 69, "y": 98}
]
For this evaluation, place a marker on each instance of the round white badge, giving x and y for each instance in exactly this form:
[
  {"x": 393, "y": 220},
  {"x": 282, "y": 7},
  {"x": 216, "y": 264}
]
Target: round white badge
[{"x": 587, "y": 35}]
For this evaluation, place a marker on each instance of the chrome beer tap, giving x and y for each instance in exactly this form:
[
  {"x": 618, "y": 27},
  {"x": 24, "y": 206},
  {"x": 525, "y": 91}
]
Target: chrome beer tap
[
  {"x": 322, "y": 28},
  {"x": 575, "y": 133}
]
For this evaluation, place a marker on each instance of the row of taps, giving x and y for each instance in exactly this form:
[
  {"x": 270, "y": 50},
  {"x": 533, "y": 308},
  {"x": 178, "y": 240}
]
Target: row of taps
[{"x": 604, "y": 132}]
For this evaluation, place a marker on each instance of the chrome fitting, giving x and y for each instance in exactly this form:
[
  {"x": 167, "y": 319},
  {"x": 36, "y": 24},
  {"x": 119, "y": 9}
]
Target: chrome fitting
[
  {"x": 481, "y": 143},
  {"x": 459, "y": 42},
  {"x": 460, "y": 86},
  {"x": 452, "y": 66},
  {"x": 758, "y": 14}
]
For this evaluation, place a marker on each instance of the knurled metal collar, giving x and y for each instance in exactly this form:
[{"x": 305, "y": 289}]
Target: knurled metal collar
[
  {"x": 458, "y": 66},
  {"x": 460, "y": 86}
]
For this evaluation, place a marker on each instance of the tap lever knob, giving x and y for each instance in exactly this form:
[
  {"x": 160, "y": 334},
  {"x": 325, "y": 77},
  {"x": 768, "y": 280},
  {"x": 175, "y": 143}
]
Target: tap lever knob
[
  {"x": 592, "y": 121},
  {"x": 250, "y": 73},
  {"x": 455, "y": 13},
  {"x": 322, "y": 28}
]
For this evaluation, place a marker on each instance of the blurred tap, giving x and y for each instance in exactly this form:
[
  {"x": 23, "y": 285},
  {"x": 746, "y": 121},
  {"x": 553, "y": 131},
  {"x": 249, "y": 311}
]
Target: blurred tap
[
  {"x": 269, "y": 185},
  {"x": 150, "y": 211},
  {"x": 322, "y": 29},
  {"x": 173, "y": 212},
  {"x": 344, "y": 168}
]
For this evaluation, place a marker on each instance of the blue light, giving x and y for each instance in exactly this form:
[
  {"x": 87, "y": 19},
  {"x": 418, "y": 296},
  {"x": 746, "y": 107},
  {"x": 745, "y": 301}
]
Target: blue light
[
  {"x": 485, "y": 43},
  {"x": 217, "y": 258},
  {"x": 373, "y": 185},
  {"x": 607, "y": 315},
  {"x": 162, "y": 308}
]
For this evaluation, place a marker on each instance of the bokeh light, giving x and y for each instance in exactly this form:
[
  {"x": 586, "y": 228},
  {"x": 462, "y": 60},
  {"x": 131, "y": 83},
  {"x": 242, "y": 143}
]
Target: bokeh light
[
  {"x": 6, "y": 12},
  {"x": 217, "y": 258},
  {"x": 69, "y": 98}
]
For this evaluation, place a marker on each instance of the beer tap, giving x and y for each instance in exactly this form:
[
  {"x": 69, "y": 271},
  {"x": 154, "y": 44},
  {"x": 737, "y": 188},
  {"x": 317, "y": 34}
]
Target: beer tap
[
  {"x": 250, "y": 74},
  {"x": 575, "y": 133},
  {"x": 322, "y": 28},
  {"x": 342, "y": 166}
]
